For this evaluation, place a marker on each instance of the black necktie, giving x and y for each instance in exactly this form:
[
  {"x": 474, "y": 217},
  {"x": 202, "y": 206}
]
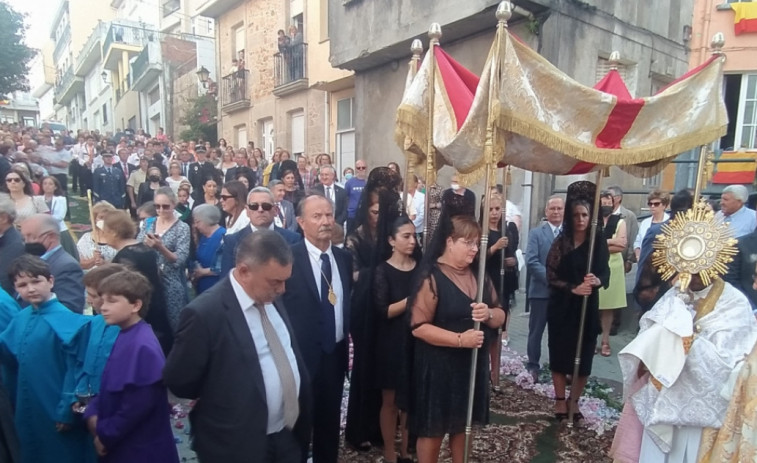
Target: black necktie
[
  {"x": 185, "y": 169},
  {"x": 329, "y": 318}
]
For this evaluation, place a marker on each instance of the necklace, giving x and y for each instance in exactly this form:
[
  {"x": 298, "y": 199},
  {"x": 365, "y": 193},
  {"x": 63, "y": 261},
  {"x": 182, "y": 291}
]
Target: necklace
[{"x": 332, "y": 295}]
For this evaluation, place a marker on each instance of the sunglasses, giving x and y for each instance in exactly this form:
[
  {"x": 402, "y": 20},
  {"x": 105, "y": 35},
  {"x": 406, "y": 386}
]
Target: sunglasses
[
  {"x": 162, "y": 206},
  {"x": 360, "y": 168},
  {"x": 654, "y": 203},
  {"x": 255, "y": 206},
  {"x": 225, "y": 197},
  {"x": 13, "y": 180}
]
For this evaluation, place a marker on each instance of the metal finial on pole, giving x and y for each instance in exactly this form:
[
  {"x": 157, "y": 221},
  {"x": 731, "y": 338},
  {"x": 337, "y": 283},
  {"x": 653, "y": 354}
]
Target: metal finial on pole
[
  {"x": 717, "y": 43},
  {"x": 504, "y": 12},
  {"x": 614, "y": 60},
  {"x": 434, "y": 34},
  {"x": 417, "y": 48}
]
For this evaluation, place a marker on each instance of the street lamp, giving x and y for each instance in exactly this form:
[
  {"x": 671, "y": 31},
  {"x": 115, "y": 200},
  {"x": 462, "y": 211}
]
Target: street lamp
[{"x": 203, "y": 74}]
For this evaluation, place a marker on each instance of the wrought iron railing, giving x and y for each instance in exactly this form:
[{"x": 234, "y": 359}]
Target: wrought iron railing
[
  {"x": 235, "y": 87},
  {"x": 140, "y": 63},
  {"x": 290, "y": 64},
  {"x": 126, "y": 34}
]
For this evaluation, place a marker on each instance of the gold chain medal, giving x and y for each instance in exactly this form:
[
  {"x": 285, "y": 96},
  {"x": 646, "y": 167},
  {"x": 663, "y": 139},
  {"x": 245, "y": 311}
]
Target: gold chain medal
[{"x": 332, "y": 296}]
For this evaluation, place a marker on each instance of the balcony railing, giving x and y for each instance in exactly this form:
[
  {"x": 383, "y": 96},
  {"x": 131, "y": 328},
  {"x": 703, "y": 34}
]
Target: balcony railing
[
  {"x": 290, "y": 64},
  {"x": 125, "y": 34},
  {"x": 64, "y": 81},
  {"x": 235, "y": 90},
  {"x": 140, "y": 63},
  {"x": 94, "y": 38},
  {"x": 170, "y": 6}
]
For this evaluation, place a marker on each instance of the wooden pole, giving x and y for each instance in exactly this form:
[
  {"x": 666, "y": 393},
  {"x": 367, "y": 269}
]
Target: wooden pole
[{"x": 434, "y": 33}]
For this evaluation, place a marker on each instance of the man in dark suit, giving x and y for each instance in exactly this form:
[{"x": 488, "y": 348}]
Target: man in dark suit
[
  {"x": 285, "y": 217},
  {"x": 199, "y": 172},
  {"x": 332, "y": 191},
  {"x": 318, "y": 300},
  {"x": 42, "y": 236},
  {"x": 123, "y": 164},
  {"x": 235, "y": 353},
  {"x": 108, "y": 183},
  {"x": 539, "y": 241},
  {"x": 742, "y": 270},
  {"x": 11, "y": 244},
  {"x": 261, "y": 211}
]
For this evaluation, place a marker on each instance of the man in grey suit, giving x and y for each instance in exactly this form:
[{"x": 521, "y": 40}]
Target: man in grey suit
[
  {"x": 284, "y": 217},
  {"x": 42, "y": 236},
  {"x": 539, "y": 241}
]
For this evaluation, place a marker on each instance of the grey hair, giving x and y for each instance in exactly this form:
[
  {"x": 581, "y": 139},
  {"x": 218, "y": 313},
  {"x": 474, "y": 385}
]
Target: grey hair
[
  {"x": 274, "y": 183},
  {"x": 207, "y": 214},
  {"x": 8, "y": 207},
  {"x": 739, "y": 192},
  {"x": 167, "y": 191},
  {"x": 327, "y": 166},
  {"x": 261, "y": 189},
  {"x": 616, "y": 190},
  {"x": 45, "y": 223},
  {"x": 263, "y": 246}
]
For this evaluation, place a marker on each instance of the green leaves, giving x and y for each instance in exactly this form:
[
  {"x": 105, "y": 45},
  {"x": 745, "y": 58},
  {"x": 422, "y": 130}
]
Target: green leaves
[{"x": 14, "y": 54}]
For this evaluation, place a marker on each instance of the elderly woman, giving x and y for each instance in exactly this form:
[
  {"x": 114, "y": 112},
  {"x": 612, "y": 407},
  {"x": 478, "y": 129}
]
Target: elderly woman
[
  {"x": 148, "y": 188},
  {"x": 234, "y": 204},
  {"x": 443, "y": 311},
  {"x": 175, "y": 178},
  {"x": 92, "y": 246},
  {"x": 18, "y": 186},
  {"x": 118, "y": 230},
  {"x": 657, "y": 202},
  {"x": 569, "y": 283},
  {"x": 612, "y": 297},
  {"x": 207, "y": 265},
  {"x": 170, "y": 237}
]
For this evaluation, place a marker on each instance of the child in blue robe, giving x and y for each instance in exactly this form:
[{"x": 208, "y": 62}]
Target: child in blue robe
[{"x": 44, "y": 346}]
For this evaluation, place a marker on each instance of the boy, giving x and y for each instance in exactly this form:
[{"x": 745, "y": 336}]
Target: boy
[
  {"x": 43, "y": 346},
  {"x": 101, "y": 335},
  {"x": 130, "y": 415}
]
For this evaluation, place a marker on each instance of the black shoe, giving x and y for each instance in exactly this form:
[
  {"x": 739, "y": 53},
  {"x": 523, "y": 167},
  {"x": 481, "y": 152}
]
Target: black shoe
[
  {"x": 404, "y": 460},
  {"x": 534, "y": 375}
]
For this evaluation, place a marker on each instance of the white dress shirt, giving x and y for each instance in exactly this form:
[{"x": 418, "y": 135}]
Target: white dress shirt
[
  {"x": 270, "y": 227},
  {"x": 336, "y": 283},
  {"x": 274, "y": 396}
]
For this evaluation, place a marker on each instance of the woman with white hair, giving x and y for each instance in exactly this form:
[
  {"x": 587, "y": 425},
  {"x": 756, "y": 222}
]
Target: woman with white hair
[{"x": 207, "y": 263}]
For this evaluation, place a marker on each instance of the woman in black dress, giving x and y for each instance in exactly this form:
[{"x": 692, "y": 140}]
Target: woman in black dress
[
  {"x": 379, "y": 207},
  {"x": 506, "y": 286},
  {"x": 442, "y": 317},
  {"x": 392, "y": 285},
  {"x": 119, "y": 231},
  {"x": 567, "y": 263}
]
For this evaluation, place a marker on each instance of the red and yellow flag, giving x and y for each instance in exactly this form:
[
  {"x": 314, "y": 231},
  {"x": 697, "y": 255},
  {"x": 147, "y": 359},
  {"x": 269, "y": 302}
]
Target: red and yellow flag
[
  {"x": 745, "y": 19},
  {"x": 729, "y": 173}
]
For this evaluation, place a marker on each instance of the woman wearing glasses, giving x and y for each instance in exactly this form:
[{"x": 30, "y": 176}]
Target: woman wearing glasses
[
  {"x": 442, "y": 314},
  {"x": 18, "y": 186},
  {"x": 657, "y": 202},
  {"x": 233, "y": 200},
  {"x": 170, "y": 237}
]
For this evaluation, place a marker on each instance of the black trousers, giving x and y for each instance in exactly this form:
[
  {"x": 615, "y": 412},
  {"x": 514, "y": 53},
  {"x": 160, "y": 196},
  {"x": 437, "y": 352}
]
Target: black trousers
[
  {"x": 73, "y": 171},
  {"x": 283, "y": 448},
  {"x": 328, "y": 385},
  {"x": 85, "y": 180}
]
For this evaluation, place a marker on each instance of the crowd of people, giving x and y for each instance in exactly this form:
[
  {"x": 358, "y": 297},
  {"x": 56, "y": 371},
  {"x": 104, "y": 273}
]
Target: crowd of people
[{"x": 254, "y": 287}]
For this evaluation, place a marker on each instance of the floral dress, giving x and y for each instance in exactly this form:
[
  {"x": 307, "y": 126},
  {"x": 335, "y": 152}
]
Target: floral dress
[{"x": 176, "y": 239}]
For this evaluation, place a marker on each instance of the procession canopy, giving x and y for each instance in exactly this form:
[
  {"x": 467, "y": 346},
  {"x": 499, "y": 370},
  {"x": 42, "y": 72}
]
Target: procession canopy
[{"x": 551, "y": 123}]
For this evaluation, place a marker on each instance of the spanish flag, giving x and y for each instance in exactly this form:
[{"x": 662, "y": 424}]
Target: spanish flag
[
  {"x": 745, "y": 19},
  {"x": 734, "y": 172}
]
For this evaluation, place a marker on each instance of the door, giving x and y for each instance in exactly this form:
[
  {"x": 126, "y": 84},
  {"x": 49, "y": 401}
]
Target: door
[
  {"x": 268, "y": 145},
  {"x": 242, "y": 137}
]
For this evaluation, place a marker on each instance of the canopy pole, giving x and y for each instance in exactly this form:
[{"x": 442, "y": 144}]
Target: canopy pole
[
  {"x": 585, "y": 301},
  {"x": 417, "y": 49},
  {"x": 504, "y": 12},
  {"x": 701, "y": 167},
  {"x": 498, "y": 339},
  {"x": 434, "y": 33}
]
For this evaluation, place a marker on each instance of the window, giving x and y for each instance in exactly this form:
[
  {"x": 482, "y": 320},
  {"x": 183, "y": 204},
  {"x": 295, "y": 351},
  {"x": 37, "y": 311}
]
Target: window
[
  {"x": 133, "y": 123},
  {"x": 154, "y": 95},
  {"x": 297, "y": 130},
  {"x": 741, "y": 106},
  {"x": 345, "y": 133},
  {"x": 344, "y": 114},
  {"x": 241, "y": 135},
  {"x": 105, "y": 113},
  {"x": 267, "y": 138},
  {"x": 627, "y": 72},
  {"x": 239, "y": 40}
]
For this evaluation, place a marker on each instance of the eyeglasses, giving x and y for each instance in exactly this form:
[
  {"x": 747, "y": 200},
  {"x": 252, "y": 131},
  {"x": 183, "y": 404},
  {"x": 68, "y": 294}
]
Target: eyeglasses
[
  {"x": 225, "y": 197},
  {"x": 255, "y": 206},
  {"x": 471, "y": 244},
  {"x": 162, "y": 206},
  {"x": 360, "y": 167},
  {"x": 13, "y": 180},
  {"x": 654, "y": 203}
]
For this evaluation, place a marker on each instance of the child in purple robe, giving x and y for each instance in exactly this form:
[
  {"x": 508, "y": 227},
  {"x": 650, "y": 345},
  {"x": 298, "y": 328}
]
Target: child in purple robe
[{"x": 130, "y": 416}]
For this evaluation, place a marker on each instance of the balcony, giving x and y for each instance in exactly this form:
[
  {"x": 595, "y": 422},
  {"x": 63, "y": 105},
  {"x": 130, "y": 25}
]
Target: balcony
[
  {"x": 170, "y": 7},
  {"x": 147, "y": 67},
  {"x": 61, "y": 43},
  {"x": 215, "y": 8},
  {"x": 235, "y": 91},
  {"x": 123, "y": 38},
  {"x": 67, "y": 87},
  {"x": 290, "y": 70},
  {"x": 89, "y": 55}
]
